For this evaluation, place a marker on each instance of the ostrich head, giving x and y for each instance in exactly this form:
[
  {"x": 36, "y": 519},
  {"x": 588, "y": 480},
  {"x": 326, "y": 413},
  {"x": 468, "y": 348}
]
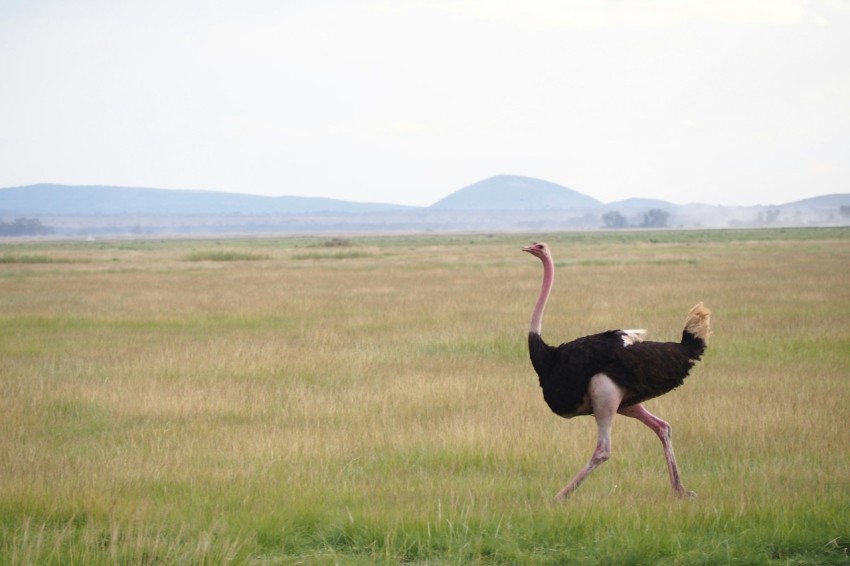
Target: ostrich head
[{"x": 539, "y": 249}]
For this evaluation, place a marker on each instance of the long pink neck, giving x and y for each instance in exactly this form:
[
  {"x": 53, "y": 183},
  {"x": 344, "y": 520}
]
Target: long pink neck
[{"x": 545, "y": 289}]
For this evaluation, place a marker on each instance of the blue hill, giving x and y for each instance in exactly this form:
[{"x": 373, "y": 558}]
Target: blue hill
[
  {"x": 67, "y": 200},
  {"x": 513, "y": 192}
]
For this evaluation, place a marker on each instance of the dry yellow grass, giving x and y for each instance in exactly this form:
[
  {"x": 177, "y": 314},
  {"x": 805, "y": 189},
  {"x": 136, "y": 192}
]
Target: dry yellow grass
[{"x": 379, "y": 405}]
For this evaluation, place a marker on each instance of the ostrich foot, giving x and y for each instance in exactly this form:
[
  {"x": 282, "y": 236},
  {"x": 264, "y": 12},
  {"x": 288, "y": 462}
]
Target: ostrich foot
[{"x": 686, "y": 494}]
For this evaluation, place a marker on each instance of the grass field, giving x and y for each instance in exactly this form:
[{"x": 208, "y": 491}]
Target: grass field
[{"x": 280, "y": 401}]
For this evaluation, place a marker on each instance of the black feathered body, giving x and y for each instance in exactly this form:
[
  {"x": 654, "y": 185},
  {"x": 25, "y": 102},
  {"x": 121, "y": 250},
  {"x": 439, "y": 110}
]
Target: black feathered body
[{"x": 643, "y": 369}]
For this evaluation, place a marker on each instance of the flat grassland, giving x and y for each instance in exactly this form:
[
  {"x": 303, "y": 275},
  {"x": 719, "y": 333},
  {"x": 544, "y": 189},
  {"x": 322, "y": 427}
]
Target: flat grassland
[{"x": 283, "y": 401}]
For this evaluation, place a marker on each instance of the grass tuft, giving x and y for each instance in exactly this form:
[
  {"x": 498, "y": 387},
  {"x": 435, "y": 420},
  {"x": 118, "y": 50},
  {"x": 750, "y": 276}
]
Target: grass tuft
[
  {"x": 349, "y": 254},
  {"x": 225, "y": 255},
  {"x": 31, "y": 258}
]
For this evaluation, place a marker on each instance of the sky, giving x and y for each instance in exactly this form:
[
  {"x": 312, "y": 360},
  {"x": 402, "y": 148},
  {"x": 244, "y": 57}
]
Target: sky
[{"x": 732, "y": 102}]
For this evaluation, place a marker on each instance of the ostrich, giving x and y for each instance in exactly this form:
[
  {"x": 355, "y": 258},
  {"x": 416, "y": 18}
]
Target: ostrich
[{"x": 612, "y": 372}]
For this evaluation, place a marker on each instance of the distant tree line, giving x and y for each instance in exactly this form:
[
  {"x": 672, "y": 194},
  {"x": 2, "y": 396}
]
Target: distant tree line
[
  {"x": 24, "y": 227},
  {"x": 655, "y": 218}
]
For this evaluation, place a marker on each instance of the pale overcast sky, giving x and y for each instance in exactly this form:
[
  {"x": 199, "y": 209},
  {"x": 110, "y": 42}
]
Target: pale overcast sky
[{"x": 725, "y": 102}]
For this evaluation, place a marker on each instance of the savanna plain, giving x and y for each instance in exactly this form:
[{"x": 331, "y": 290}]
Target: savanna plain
[{"x": 370, "y": 401}]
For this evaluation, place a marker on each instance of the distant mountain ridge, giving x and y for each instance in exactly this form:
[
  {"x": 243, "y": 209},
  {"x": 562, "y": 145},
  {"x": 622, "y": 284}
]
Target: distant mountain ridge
[
  {"x": 88, "y": 200},
  {"x": 500, "y": 203},
  {"x": 836, "y": 200},
  {"x": 498, "y": 193}
]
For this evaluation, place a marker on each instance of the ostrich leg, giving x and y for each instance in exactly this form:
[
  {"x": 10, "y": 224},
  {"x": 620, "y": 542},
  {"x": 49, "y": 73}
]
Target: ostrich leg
[
  {"x": 664, "y": 431},
  {"x": 605, "y": 397}
]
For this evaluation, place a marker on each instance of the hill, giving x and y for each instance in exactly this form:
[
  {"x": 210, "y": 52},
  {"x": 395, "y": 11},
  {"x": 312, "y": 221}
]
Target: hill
[
  {"x": 66, "y": 200},
  {"x": 513, "y": 192},
  {"x": 833, "y": 201}
]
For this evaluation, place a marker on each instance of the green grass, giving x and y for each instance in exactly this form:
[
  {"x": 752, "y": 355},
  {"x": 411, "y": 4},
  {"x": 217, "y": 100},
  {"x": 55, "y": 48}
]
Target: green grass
[{"x": 381, "y": 409}]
